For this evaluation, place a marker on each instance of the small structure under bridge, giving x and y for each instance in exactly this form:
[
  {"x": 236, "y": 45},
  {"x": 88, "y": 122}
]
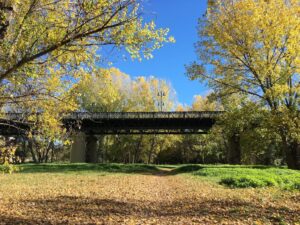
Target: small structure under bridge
[{"x": 86, "y": 126}]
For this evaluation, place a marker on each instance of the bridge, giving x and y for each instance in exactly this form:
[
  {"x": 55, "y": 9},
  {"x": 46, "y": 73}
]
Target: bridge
[{"x": 86, "y": 126}]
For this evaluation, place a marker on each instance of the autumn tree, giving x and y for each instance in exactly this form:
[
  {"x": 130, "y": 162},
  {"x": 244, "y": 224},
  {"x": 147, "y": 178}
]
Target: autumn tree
[
  {"x": 43, "y": 38},
  {"x": 198, "y": 148},
  {"x": 42, "y": 112},
  {"x": 66, "y": 32},
  {"x": 194, "y": 148},
  {"x": 252, "y": 47},
  {"x": 110, "y": 90},
  {"x": 48, "y": 44},
  {"x": 104, "y": 90}
]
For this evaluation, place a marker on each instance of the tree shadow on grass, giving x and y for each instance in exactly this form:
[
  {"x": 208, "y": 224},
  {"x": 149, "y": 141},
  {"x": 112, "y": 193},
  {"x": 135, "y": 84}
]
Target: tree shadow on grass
[
  {"x": 78, "y": 210},
  {"x": 186, "y": 169},
  {"x": 84, "y": 167}
]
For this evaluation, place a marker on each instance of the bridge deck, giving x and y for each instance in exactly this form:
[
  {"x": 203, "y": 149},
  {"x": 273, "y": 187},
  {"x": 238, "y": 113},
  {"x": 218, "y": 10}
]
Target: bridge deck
[{"x": 129, "y": 122}]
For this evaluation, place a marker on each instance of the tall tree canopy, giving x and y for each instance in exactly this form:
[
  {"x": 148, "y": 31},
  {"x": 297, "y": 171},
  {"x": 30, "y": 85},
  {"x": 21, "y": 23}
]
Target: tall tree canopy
[
  {"x": 252, "y": 47},
  {"x": 45, "y": 38}
]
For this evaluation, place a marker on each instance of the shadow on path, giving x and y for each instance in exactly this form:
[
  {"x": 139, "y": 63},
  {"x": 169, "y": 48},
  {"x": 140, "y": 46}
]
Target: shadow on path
[{"x": 78, "y": 210}]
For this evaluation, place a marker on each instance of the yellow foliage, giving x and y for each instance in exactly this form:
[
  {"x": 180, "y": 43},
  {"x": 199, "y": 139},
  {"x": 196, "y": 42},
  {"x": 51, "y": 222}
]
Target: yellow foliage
[
  {"x": 111, "y": 90},
  {"x": 253, "y": 46}
]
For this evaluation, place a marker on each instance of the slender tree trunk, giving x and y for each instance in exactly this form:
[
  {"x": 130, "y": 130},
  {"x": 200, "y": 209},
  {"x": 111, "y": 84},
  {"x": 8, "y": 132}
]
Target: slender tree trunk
[
  {"x": 234, "y": 150},
  {"x": 23, "y": 156},
  {"x": 136, "y": 156},
  {"x": 101, "y": 150},
  {"x": 48, "y": 149},
  {"x": 52, "y": 155},
  {"x": 151, "y": 150},
  {"x": 30, "y": 146}
]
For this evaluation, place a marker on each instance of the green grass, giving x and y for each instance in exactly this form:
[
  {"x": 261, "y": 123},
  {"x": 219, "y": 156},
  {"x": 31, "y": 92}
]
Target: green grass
[
  {"x": 228, "y": 175},
  {"x": 86, "y": 168},
  {"x": 251, "y": 176}
]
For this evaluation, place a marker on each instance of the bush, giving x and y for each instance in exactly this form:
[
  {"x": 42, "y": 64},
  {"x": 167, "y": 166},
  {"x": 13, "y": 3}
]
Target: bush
[
  {"x": 7, "y": 150},
  {"x": 7, "y": 168},
  {"x": 246, "y": 182}
]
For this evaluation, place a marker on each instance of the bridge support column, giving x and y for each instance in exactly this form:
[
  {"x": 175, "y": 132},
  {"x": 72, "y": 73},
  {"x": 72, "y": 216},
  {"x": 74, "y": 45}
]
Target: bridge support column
[
  {"x": 91, "y": 149},
  {"x": 78, "y": 150}
]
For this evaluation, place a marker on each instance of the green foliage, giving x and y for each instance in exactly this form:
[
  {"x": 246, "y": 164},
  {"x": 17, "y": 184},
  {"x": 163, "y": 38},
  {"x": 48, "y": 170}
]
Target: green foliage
[
  {"x": 247, "y": 181},
  {"x": 244, "y": 177},
  {"x": 7, "y": 168}
]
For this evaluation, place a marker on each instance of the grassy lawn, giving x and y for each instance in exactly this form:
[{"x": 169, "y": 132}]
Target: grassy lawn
[
  {"x": 149, "y": 194},
  {"x": 246, "y": 176}
]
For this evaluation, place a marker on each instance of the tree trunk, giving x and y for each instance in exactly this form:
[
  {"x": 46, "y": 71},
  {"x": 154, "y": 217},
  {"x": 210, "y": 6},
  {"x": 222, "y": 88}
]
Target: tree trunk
[
  {"x": 137, "y": 152},
  {"x": 30, "y": 146},
  {"x": 234, "y": 150},
  {"x": 269, "y": 155},
  {"x": 292, "y": 153},
  {"x": 151, "y": 149},
  {"x": 48, "y": 149},
  {"x": 101, "y": 149}
]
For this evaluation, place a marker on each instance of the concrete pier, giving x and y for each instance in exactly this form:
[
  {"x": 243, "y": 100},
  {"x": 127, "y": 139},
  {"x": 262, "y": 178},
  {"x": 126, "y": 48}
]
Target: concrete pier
[{"x": 78, "y": 149}]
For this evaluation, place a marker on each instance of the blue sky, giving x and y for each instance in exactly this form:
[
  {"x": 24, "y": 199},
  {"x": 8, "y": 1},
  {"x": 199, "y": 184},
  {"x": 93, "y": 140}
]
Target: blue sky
[{"x": 181, "y": 17}]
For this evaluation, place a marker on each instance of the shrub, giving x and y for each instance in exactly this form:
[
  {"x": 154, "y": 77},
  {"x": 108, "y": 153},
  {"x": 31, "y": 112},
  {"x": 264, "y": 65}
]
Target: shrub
[
  {"x": 246, "y": 182},
  {"x": 7, "y": 150},
  {"x": 7, "y": 168}
]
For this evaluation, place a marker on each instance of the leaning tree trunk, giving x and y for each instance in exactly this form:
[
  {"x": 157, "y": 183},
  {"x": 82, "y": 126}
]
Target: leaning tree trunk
[{"x": 234, "y": 150}]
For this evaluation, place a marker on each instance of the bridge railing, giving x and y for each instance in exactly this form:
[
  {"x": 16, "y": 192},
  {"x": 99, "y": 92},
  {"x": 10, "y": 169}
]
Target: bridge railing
[
  {"x": 143, "y": 115},
  {"x": 125, "y": 115}
]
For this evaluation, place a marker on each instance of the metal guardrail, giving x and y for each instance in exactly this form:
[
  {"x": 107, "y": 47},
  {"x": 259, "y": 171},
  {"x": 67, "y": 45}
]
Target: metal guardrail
[
  {"x": 126, "y": 115},
  {"x": 142, "y": 115}
]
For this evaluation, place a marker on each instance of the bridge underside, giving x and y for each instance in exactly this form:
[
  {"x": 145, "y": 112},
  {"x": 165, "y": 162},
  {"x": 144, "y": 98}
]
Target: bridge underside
[
  {"x": 84, "y": 147},
  {"x": 141, "y": 126}
]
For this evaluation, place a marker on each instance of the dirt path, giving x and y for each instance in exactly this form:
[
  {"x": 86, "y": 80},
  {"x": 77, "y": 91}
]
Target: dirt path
[{"x": 160, "y": 198}]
